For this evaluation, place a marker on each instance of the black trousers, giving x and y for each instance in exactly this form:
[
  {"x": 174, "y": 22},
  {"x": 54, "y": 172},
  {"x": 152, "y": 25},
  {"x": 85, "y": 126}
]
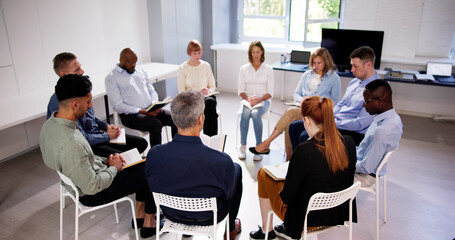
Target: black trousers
[
  {"x": 153, "y": 125},
  {"x": 230, "y": 206},
  {"x": 211, "y": 117},
  {"x": 128, "y": 181},
  {"x": 106, "y": 149}
]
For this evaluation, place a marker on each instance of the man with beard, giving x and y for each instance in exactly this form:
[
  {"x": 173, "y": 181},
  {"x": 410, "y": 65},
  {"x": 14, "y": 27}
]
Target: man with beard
[{"x": 130, "y": 93}]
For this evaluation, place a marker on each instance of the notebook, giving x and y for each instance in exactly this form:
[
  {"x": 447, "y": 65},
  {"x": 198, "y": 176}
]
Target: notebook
[{"x": 441, "y": 71}]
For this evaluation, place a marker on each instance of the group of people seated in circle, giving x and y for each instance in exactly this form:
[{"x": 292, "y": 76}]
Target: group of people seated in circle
[{"x": 329, "y": 142}]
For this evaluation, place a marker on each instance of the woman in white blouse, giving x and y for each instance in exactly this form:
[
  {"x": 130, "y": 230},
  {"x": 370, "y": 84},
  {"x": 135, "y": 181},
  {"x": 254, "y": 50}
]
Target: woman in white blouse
[
  {"x": 256, "y": 90},
  {"x": 196, "y": 74}
]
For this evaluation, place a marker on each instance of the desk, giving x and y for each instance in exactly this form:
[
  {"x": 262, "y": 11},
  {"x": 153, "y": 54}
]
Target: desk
[
  {"x": 290, "y": 67},
  {"x": 24, "y": 108},
  {"x": 296, "y": 67}
]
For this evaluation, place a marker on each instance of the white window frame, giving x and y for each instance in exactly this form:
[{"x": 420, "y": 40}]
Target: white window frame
[{"x": 285, "y": 38}]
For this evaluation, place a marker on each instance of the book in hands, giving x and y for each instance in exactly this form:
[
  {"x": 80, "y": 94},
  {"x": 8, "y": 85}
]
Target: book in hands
[
  {"x": 121, "y": 139},
  {"x": 132, "y": 157},
  {"x": 248, "y": 105},
  {"x": 216, "y": 142},
  {"x": 211, "y": 94},
  {"x": 278, "y": 172},
  {"x": 159, "y": 104}
]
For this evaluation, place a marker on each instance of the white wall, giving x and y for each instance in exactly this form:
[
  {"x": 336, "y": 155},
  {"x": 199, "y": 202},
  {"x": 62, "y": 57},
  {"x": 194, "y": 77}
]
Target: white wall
[
  {"x": 33, "y": 32},
  {"x": 412, "y": 27}
]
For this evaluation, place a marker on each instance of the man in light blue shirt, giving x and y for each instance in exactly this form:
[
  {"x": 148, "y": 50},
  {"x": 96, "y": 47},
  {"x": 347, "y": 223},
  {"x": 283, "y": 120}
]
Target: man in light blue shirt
[
  {"x": 97, "y": 132},
  {"x": 130, "y": 92},
  {"x": 382, "y": 136},
  {"x": 350, "y": 115}
]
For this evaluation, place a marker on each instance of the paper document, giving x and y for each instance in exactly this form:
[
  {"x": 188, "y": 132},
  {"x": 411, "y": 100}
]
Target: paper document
[{"x": 278, "y": 172}]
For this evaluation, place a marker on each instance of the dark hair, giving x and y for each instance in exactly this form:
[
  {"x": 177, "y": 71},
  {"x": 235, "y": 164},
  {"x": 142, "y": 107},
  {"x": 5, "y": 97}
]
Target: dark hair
[
  {"x": 364, "y": 53},
  {"x": 61, "y": 61},
  {"x": 193, "y": 45},
  {"x": 373, "y": 85},
  {"x": 258, "y": 44},
  {"x": 329, "y": 140},
  {"x": 72, "y": 86}
]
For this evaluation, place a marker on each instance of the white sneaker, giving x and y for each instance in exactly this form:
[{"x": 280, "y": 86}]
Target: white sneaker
[
  {"x": 242, "y": 152},
  {"x": 257, "y": 157}
]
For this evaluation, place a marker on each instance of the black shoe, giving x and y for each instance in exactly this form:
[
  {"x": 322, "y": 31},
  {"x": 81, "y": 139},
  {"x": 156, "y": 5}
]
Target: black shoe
[
  {"x": 253, "y": 150},
  {"x": 147, "y": 232},
  {"x": 260, "y": 235},
  {"x": 187, "y": 236},
  {"x": 140, "y": 222},
  {"x": 281, "y": 231}
]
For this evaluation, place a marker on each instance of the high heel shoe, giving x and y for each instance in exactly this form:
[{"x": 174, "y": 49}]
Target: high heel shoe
[{"x": 253, "y": 150}]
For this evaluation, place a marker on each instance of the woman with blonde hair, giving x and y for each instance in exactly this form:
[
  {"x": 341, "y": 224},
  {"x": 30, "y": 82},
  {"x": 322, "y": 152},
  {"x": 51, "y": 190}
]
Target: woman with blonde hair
[
  {"x": 320, "y": 80},
  {"x": 323, "y": 163},
  {"x": 255, "y": 87},
  {"x": 196, "y": 74}
]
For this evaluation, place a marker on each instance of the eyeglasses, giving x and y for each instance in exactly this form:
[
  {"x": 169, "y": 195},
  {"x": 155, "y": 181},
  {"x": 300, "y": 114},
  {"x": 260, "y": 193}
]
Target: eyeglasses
[{"x": 366, "y": 101}]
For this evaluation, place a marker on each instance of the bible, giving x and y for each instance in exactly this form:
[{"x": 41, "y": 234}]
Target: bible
[
  {"x": 278, "y": 172},
  {"x": 248, "y": 105},
  {"x": 159, "y": 104},
  {"x": 216, "y": 142},
  {"x": 132, "y": 157},
  {"x": 121, "y": 139}
]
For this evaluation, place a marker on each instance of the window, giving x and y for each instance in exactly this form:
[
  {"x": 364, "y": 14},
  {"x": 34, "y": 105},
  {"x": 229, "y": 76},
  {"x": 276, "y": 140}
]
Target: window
[{"x": 288, "y": 21}]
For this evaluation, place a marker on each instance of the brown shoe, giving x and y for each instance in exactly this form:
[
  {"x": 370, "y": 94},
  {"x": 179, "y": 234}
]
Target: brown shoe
[{"x": 237, "y": 230}]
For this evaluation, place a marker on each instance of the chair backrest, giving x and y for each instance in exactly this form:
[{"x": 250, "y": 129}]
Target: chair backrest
[
  {"x": 383, "y": 162},
  {"x": 72, "y": 194},
  {"x": 329, "y": 200},
  {"x": 186, "y": 204}
]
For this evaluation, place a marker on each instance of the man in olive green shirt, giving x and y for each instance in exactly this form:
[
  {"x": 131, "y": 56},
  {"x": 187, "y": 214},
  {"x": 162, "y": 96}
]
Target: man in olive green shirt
[{"x": 98, "y": 180}]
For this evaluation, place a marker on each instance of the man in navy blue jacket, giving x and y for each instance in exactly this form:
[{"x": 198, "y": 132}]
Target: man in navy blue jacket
[{"x": 186, "y": 167}]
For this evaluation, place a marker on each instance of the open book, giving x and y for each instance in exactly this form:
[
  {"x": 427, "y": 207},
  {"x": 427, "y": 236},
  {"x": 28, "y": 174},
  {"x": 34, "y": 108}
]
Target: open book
[
  {"x": 159, "y": 104},
  {"x": 121, "y": 139},
  {"x": 248, "y": 105},
  {"x": 278, "y": 172},
  {"x": 292, "y": 103},
  {"x": 216, "y": 142},
  {"x": 211, "y": 94},
  {"x": 132, "y": 157}
]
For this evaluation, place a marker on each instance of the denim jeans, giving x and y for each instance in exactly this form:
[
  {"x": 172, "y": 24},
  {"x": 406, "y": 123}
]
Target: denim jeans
[{"x": 256, "y": 115}]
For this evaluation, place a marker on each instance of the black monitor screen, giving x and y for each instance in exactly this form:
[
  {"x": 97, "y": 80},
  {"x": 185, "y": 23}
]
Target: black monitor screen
[{"x": 341, "y": 42}]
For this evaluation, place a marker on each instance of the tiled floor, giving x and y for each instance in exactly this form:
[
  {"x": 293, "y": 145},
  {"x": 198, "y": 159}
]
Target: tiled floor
[{"x": 421, "y": 189}]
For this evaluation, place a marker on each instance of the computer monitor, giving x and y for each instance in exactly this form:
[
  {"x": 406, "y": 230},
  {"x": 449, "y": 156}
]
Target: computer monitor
[{"x": 341, "y": 42}]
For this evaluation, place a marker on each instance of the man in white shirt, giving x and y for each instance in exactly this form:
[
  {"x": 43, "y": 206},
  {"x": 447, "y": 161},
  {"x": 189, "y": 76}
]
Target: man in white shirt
[{"x": 130, "y": 93}]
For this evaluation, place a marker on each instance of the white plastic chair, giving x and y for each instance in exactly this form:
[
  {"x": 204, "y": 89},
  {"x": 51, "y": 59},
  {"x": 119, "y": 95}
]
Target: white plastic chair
[
  {"x": 80, "y": 209},
  {"x": 266, "y": 116},
  {"x": 143, "y": 134},
  {"x": 220, "y": 127},
  {"x": 320, "y": 201},
  {"x": 189, "y": 205},
  {"x": 374, "y": 189}
]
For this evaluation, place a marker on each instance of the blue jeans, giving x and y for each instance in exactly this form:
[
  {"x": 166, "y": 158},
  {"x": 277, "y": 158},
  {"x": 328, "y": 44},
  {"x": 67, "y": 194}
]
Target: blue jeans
[{"x": 256, "y": 115}]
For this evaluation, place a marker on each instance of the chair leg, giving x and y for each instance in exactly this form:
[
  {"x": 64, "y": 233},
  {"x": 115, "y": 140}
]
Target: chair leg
[
  {"x": 133, "y": 212},
  {"x": 385, "y": 198},
  {"x": 76, "y": 222},
  {"x": 228, "y": 235},
  {"x": 377, "y": 209},
  {"x": 116, "y": 213},
  {"x": 62, "y": 204},
  {"x": 219, "y": 122},
  {"x": 269, "y": 216}
]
